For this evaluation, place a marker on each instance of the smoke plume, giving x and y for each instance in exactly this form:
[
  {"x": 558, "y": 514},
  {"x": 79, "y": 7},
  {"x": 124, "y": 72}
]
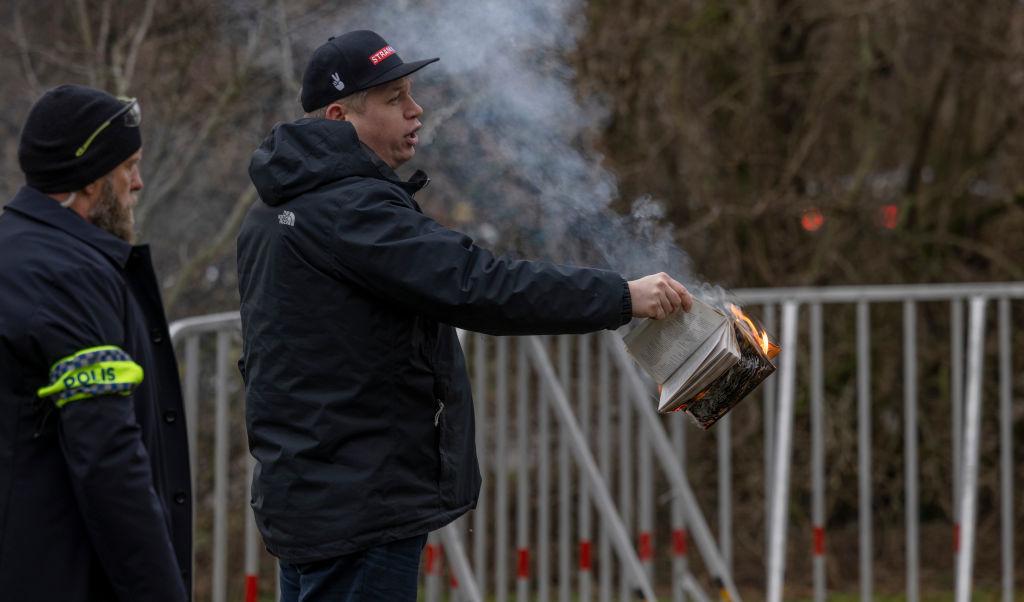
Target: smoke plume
[{"x": 506, "y": 132}]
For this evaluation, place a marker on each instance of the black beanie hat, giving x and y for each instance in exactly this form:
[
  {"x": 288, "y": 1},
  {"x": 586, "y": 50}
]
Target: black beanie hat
[{"x": 59, "y": 124}]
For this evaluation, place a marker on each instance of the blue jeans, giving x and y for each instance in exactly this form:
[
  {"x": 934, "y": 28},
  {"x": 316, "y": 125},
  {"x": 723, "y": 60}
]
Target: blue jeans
[{"x": 385, "y": 573}]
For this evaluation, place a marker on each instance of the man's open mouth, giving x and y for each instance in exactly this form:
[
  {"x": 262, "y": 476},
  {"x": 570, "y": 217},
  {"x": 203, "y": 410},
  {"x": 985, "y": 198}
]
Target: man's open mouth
[{"x": 412, "y": 137}]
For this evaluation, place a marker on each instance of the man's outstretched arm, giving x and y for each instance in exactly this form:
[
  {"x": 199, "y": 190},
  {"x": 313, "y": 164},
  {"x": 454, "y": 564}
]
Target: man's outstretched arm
[{"x": 406, "y": 258}]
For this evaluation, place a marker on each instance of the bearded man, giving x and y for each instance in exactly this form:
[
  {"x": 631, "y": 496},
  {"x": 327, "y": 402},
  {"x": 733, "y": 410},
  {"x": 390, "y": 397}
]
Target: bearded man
[{"x": 95, "y": 499}]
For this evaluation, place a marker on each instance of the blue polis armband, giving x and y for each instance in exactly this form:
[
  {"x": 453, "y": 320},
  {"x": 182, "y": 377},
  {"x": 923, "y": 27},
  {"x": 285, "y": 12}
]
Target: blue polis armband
[{"x": 92, "y": 372}]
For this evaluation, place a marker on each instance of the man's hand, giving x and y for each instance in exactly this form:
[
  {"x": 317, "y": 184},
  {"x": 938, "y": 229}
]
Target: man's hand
[{"x": 658, "y": 295}]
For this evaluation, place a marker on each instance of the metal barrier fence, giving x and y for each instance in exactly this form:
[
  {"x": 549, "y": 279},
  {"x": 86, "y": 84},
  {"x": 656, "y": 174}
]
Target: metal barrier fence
[{"x": 586, "y": 490}]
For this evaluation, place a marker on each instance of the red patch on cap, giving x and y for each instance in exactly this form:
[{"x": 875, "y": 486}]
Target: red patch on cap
[{"x": 381, "y": 54}]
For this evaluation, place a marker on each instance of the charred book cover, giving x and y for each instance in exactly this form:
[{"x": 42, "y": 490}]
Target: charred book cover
[{"x": 704, "y": 361}]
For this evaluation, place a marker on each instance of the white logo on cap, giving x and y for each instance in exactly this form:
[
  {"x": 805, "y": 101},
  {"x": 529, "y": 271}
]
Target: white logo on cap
[{"x": 340, "y": 85}]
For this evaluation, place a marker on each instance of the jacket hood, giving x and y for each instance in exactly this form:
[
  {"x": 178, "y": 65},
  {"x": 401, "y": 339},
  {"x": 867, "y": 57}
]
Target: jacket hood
[{"x": 304, "y": 155}]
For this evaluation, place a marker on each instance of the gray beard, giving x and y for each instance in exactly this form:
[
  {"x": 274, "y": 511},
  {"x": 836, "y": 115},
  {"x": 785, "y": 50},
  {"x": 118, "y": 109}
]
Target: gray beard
[{"x": 111, "y": 216}]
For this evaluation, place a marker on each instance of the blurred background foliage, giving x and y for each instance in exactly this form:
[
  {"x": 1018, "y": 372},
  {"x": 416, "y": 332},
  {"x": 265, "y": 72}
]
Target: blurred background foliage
[
  {"x": 892, "y": 127},
  {"x": 788, "y": 142}
]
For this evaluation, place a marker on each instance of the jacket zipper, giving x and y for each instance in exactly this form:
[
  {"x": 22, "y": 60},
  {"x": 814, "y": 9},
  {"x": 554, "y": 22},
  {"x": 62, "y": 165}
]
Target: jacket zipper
[{"x": 437, "y": 416}]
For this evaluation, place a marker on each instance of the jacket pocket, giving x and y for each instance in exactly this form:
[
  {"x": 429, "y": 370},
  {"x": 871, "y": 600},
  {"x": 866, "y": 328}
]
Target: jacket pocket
[{"x": 445, "y": 458}]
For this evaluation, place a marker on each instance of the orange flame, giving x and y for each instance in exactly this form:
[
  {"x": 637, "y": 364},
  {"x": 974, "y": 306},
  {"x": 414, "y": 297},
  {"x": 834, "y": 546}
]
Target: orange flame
[{"x": 759, "y": 335}]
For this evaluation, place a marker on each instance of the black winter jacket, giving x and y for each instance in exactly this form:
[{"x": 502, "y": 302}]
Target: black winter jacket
[
  {"x": 94, "y": 472},
  {"x": 358, "y": 405}
]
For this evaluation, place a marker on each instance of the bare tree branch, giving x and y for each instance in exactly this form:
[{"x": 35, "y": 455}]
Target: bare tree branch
[
  {"x": 927, "y": 126},
  {"x": 104, "y": 36},
  {"x": 137, "y": 39},
  {"x": 28, "y": 70},
  {"x": 288, "y": 82},
  {"x": 223, "y": 242},
  {"x": 85, "y": 28},
  {"x": 194, "y": 142}
]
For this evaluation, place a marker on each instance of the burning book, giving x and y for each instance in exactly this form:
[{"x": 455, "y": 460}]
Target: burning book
[{"x": 704, "y": 361}]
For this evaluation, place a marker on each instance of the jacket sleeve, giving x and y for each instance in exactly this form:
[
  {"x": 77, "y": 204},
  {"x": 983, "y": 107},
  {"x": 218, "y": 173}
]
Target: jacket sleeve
[
  {"x": 404, "y": 257},
  {"x": 80, "y": 334}
]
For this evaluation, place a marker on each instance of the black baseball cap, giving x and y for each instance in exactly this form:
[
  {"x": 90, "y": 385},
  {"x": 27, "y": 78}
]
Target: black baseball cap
[{"x": 349, "y": 63}]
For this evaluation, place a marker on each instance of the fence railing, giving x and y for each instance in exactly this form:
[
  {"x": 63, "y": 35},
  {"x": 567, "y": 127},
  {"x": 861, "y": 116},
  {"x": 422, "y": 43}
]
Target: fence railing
[{"x": 587, "y": 492}]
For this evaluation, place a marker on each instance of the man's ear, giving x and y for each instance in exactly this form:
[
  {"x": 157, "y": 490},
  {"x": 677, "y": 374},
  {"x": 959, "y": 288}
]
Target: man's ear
[
  {"x": 92, "y": 189},
  {"x": 82, "y": 200},
  {"x": 336, "y": 112}
]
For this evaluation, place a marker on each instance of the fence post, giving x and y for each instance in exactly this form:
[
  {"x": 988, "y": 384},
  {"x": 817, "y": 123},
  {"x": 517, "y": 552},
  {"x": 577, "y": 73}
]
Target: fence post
[
  {"x": 191, "y": 417},
  {"x": 252, "y": 540},
  {"x": 724, "y": 437},
  {"x": 969, "y": 464},
  {"x": 544, "y": 499},
  {"x": 432, "y": 569},
  {"x": 482, "y": 507},
  {"x": 564, "y": 484},
  {"x": 680, "y": 570},
  {"x": 192, "y": 404},
  {"x": 522, "y": 475},
  {"x": 501, "y": 473},
  {"x": 782, "y": 446},
  {"x": 1006, "y": 446},
  {"x": 864, "y": 447},
  {"x": 220, "y": 472},
  {"x": 456, "y": 553},
  {"x": 626, "y": 485},
  {"x": 604, "y": 450},
  {"x": 956, "y": 345},
  {"x": 818, "y": 451},
  {"x": 585, "y": 403},
  {"x": 910, "y": 475}
]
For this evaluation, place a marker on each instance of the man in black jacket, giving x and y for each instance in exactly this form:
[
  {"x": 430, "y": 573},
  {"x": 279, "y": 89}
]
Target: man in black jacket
[
  {"x": 358, "y": 405},
  {"x": 94, "y": 470}
]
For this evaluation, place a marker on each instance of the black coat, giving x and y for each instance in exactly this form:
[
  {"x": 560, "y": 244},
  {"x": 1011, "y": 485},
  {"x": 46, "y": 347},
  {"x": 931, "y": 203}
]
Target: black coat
[
  {"x": 358, "y": 404},
  {"x": 94, "y": 494}
]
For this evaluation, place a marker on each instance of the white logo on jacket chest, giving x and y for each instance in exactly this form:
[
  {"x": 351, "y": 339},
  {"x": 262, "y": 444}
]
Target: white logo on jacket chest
[{"x": 286, "y": 218}]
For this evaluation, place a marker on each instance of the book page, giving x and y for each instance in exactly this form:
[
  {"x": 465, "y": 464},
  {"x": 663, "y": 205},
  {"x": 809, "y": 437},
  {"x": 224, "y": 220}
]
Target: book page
[
  {"x": 662, "y": 346},
  {"x": 723, "y": 359},
  {"x": 714, "y": 357}
]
